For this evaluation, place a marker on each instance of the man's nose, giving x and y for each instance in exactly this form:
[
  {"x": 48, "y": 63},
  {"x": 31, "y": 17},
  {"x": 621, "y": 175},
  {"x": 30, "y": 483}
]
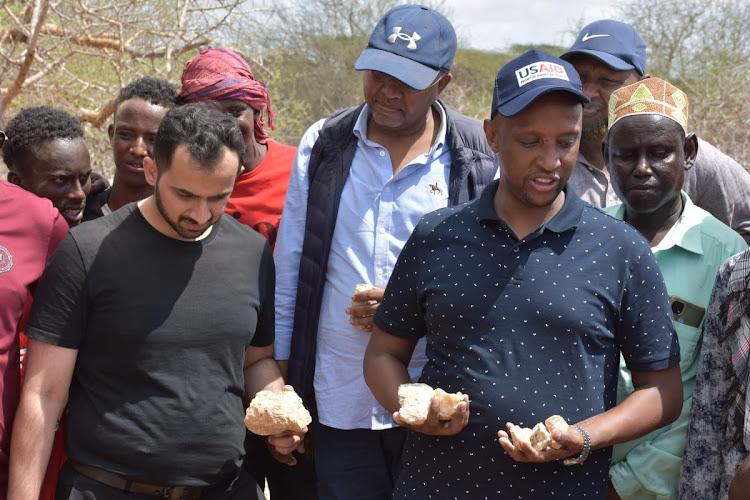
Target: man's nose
[
  {"x": 77, "y": 192},
  {"x": 549, "y": 158},
  {"x": 139, "y": 147},
  {"x": 200, "y": 212}
]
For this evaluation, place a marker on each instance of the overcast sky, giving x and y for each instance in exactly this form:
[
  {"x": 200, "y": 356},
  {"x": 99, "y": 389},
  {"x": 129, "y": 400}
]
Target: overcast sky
[{"x": 497, "y": 24}]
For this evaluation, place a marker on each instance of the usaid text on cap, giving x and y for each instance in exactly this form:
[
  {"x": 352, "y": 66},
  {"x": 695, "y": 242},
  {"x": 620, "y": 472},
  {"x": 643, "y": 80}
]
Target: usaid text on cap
[{"x": 541, "y": 69}]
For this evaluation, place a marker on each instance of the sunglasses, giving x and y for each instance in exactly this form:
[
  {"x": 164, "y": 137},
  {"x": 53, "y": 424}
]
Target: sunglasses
[{"x": 3, "y": 139}]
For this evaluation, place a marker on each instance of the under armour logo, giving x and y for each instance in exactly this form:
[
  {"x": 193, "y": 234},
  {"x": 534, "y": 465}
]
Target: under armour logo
[{"x": 403, "y": 36}]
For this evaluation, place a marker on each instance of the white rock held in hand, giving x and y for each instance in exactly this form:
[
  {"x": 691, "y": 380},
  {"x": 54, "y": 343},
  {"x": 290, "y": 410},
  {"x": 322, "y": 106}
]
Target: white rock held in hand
[
  {"x": 363, "y": 287},
  {"x": 540, "y": 437},
  {"x": 272, "y": 413},
  {"x": 415, "y": 402}
]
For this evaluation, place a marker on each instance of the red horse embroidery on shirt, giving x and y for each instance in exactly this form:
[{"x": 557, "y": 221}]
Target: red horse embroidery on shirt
[{"x": 435, "y": 189}]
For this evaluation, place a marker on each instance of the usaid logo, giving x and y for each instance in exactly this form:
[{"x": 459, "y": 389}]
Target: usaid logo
[{"x": 541, "y": 69}]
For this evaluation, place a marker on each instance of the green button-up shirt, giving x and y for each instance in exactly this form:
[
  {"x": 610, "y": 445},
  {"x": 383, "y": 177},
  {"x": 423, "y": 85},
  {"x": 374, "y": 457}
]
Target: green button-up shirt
[{"x": 689, "y": 256}]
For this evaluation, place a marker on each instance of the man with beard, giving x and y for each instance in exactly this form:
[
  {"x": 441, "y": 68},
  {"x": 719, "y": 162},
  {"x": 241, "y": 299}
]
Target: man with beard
[
  {"x": 139, "y": 108},
  {"x": 526, "y": 297},
  {"x": 608, "y": 55},
  {"x": 648, "y": 150},
  {"x": 223, "y": 76},
  {"x": 155, "y": 323}
]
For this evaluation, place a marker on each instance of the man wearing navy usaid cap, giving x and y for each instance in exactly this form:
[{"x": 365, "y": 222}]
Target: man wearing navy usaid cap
[
  {"x": 608, "y": 55},
  {"x": 525, "y": 311},
  {"x": 361, "y": 181}
]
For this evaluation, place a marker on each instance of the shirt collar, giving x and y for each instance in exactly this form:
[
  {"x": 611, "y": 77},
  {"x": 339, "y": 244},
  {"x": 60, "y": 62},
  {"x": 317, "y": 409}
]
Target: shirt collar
[
  {"x": 568, "y": 217},
  {"x": 583, "y": 161},
  {"x": 360, "y": 129},
  {"x": 685, "y": 233}
]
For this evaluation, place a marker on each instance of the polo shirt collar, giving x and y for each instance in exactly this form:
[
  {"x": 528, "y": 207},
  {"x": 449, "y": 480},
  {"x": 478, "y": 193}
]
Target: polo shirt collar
[
  {"x": 685, "y": 233},
  {"x": 568, "y": 217}
]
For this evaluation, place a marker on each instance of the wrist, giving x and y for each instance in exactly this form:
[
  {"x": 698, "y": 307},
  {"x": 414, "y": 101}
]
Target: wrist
[{"x": 584, "y": 451}]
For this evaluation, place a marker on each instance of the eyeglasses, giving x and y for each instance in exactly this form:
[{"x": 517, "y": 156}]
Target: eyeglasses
[{"x": 3, "y": 139}]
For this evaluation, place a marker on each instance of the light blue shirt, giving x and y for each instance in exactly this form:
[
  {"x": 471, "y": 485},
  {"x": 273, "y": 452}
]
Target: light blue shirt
[
  {"x": 378, "y": 211},
  {"x": 689, "y": 257}
]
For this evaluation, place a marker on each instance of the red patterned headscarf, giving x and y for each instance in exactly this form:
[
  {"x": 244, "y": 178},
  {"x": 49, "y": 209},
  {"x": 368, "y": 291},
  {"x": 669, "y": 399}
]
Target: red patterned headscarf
[{"x": 218, "y": 74}]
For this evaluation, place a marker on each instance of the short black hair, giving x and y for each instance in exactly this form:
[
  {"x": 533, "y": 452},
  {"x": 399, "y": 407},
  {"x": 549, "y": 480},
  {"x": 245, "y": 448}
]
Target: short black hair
[
  {"x": 33, "y": 126},
  {"x": 154, "y": 90},
  {"x": 204, "y": 129}
]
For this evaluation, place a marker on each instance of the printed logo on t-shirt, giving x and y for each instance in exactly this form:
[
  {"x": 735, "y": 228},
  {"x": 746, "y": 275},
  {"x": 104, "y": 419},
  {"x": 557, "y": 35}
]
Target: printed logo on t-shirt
[{"x": 6, "y": 260}]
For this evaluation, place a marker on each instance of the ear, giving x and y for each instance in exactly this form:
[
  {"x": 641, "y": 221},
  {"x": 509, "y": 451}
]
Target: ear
[
  {"x": 111, "y": 132},
  {"x": 15, "y": 178},
  {"x": 444, "y": 82},
  {"x": 491, "y": 134},
  {"x": 690, "y": 147},
  {"x": 149, "y": 169}
]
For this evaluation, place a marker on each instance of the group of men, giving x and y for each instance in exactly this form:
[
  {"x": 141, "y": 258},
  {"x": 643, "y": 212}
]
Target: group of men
[{"x": 221, "y": 263}]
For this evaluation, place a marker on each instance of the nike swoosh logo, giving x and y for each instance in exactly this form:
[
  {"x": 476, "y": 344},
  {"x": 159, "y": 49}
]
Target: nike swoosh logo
[{"x": 588, "y": 37}]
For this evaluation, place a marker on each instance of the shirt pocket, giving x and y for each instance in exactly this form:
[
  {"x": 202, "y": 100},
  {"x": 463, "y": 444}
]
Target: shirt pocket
[{"x": 690, "y": 340}]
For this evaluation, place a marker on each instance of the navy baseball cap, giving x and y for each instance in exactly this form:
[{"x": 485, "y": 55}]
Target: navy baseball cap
[
  {"x": 528, "y": 77},
  {"x": 411, "y": 43},
  {"x": 616, "y": 44}
]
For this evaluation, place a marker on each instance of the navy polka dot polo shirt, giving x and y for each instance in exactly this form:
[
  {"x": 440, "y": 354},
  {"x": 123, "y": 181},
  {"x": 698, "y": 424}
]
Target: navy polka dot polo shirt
[{"x": 528, "y": 329}]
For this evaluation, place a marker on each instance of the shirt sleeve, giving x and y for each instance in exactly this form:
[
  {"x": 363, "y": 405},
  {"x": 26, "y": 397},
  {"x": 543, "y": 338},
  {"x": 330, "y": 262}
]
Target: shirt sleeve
[
  {"x": 288, "y": 249},
  {"x": 702, "y": 468},
  {"x": 645, "y": 329},
  {"x": 653, "y": 467},
  {"x": 58, "y": 228},
  {"x": 264, "y": 331},
  {"x": 401, "y": 313},
  {"x": 59, "y": 231},
  {"x": 721, "y": 186},
  {"x": 58, "y": 314}
]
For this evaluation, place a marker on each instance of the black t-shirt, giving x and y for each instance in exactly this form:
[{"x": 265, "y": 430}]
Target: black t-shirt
[
  {"x": 161, "y": 327},
  {"x": 94, "y": 203}
]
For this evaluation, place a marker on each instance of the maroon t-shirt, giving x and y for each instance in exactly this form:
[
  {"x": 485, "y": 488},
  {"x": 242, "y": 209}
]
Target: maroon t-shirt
[{"x": 30, "y": 229}]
